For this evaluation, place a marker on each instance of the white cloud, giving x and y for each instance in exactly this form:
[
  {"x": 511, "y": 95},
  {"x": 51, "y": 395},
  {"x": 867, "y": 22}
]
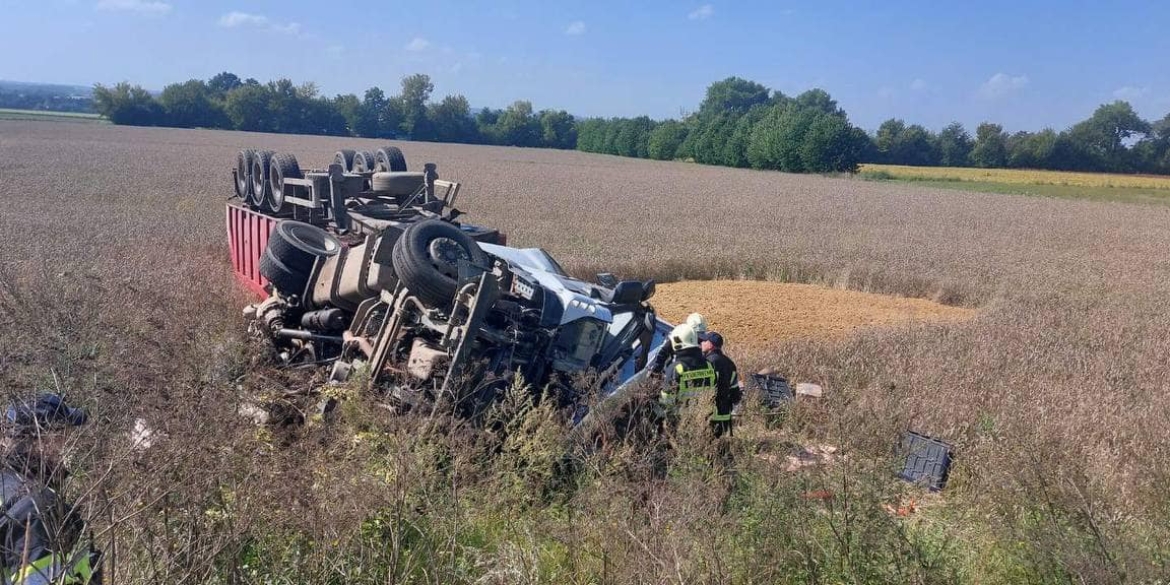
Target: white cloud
[
  {"x": 1129, "y": 93},
  {"x": 886, "y": 93},
  {"x": 418, "y": 44},
  {"x": 1002, "y": 84},
  {"x": 576, "y": 28},
  {"x": 919, "y": 85},
  {"x": 335, "y": 51},
  {"x": 143, "y": 6},
  {"x": 702, "y": 13},
  {"x": 236, "y": 19}
]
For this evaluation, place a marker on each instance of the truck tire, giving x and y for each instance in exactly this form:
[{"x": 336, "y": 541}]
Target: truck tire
[
  {"x": 284, "y": 279},
  {"x": 261, "y": 162},
  {"x": 344, "y": 157},
  {"x": 244, "y": 174},
  {"x": 283, "y": 166},
  {"x": 297, "y": 245},
  {"x": 363, "y": 162},
  {"x": 389, "y": 159},
  {"x": 397, "y": 183},
  {"x": 426, "y": 260}
]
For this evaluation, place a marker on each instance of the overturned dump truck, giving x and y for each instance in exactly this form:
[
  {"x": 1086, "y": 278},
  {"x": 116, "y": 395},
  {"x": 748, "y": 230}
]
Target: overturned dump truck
[{"x": 366, "y": 267}]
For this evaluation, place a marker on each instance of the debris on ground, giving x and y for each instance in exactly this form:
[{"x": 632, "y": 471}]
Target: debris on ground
[
  {"x": 44, "y": 412},
  {"x": 807, "y": 389},
  {"x": 927, "y": 461},
  {"x": 810, "y": 457}
]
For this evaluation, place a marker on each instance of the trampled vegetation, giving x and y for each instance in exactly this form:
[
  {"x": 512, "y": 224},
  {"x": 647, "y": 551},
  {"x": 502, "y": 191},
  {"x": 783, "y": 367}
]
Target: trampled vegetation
[
  {"x": 116, "y": 287},
  {"x": 740, "y": 123}
]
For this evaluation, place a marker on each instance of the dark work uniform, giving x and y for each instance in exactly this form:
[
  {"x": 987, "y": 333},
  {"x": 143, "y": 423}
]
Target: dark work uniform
[
  {"x": 665, "y": 356},
  {"x": 727, "y": 391},
  {"x": 39, "y": 536},
  {"x": 689, "y": 380}
]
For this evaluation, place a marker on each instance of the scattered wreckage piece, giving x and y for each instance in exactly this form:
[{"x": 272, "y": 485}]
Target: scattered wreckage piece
[
  {"x": 775, "y": 390},
  {"x": 927, "y": 461}
]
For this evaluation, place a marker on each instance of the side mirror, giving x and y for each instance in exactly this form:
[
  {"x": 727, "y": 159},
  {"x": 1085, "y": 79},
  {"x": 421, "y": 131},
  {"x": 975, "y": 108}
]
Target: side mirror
[
  {"x": 607, "y": 280},
  {"x": 648, "y": 289},
  {"x": 628, "y": 292}
]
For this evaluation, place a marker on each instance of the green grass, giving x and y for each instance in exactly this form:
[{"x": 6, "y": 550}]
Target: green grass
[
  {"x": 8, "y": 114},
  {"x": 1092, "y": 193}
]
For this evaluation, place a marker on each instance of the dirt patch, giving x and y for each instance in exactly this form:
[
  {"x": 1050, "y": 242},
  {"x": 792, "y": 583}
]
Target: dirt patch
[{"x": 755, "y": 312}]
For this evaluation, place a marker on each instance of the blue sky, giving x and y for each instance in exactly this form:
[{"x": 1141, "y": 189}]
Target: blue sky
[{"x": 1025, "y": 64}]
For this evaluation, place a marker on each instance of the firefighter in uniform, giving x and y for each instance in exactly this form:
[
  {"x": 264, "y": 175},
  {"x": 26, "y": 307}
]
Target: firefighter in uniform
[
  {"x": 696, "y": 322},
  {"x": 41, "y": 535},
  {"x": 690, "y": 378},
  {"x": 727, "y": 391}
]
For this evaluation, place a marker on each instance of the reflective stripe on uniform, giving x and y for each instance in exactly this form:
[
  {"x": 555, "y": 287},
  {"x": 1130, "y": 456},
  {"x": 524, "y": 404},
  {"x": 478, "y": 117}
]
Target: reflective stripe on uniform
[
  {"x": 47, "y": 569},
  {"x": 691, "y": 383}
]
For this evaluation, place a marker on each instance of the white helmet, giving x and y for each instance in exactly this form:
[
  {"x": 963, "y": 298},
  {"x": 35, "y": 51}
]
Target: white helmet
[
  {"x": 683, "y": 337},
  {"x": 697, "y": 322}
]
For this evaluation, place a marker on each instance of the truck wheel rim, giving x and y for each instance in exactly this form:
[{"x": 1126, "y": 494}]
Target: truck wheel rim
[{"x": 445, "y": 254}]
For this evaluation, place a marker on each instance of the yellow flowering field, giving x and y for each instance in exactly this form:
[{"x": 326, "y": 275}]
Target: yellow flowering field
[{"x": 1019, "y": 176}]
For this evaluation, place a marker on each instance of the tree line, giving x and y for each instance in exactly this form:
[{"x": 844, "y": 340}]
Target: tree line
[
  {"x": 228, "y": 102},
  {"x": 739, "y": 123}
]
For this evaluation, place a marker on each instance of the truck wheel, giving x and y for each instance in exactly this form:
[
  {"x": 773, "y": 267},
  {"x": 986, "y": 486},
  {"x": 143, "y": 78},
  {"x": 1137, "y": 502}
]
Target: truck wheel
[
  {"x": 389, "y": 159},
  {"x": 284, "y": 279},
  {"x": 344, "y": 157},
  {"x": 363, "y": 161},
  {"x": 426, "y": 259},
  {"x": 283, "y": 166},
  {"x": 261, "y": 161},
  {"x": 298, "y": 245},
  {"x": 244, "y": 174}
]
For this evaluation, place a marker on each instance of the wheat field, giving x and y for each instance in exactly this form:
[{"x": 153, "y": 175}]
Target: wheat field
[{"x": 115, "y": 287}]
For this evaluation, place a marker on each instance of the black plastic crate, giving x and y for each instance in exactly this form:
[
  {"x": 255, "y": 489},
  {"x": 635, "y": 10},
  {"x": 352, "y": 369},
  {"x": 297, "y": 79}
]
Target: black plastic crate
[
  {"x": 928, "y": 461},
  {"x": 774, "y": 390}
]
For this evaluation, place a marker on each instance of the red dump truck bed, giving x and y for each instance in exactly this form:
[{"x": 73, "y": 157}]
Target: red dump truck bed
[{"x": 248, "y": 233}]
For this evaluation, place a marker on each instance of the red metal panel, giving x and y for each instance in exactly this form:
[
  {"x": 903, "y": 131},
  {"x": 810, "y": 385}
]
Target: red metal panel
[{"x": 248, "y": 233}]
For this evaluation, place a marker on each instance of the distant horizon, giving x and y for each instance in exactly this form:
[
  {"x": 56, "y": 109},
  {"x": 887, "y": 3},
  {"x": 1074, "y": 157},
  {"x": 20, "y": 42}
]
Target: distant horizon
[
  {"x": 1023, "y": 64},
  {"x": 436, "y": 97}
]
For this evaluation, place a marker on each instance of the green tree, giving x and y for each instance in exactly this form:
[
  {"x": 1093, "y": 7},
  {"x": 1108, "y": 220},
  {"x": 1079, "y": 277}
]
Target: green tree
[
  {"x": 1032, "y": 151},
  {"x": 416, "y": 91},
  {"x": 900, "y": 144},
  {"x": 732, "y": 95},
  {"x": 349, "y": 106},
  {"x": 735, "y": 146},
  {"x": 192, "y": 104},
  {"x": 517, "y": 126},
  {"x": 818, "y": 100},
  {"x": 831, "y": 144},
  {"x": 888, "y": 139},
  {"x": 665, "y": 140},
  {"x": 777, "y": 140},
  {"x": 953, "y": 145},
  {"x": 558, "y": 129},
  {"x": 487, "y": 125},
  {"x": 222, "y": 83},
  {"x": 367, "y": 120},
  {"x": 451, "y": 120},
  {"x": 1102, "y": 137},
  {"x": 248, "y": 108},
  {"x": 990, "y": 150},
  {"x": 127, "y": 104}
]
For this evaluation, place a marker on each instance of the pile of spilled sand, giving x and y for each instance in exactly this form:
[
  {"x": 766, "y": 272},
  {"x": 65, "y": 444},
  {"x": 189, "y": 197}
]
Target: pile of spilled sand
[{"x": 756, "y": 312}]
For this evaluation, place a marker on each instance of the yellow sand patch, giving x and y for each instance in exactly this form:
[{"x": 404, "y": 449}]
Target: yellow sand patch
[{"x": 755, "y": 312}]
